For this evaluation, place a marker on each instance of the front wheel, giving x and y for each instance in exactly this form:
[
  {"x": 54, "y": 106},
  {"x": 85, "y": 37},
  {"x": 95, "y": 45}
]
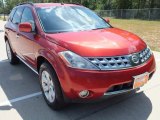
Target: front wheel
[
  {"x": 50, "y": 86},
  {"x": 11, "y": 56}
]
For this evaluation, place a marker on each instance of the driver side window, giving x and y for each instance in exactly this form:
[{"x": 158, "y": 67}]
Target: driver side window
[{"x": 28, "y": 17}]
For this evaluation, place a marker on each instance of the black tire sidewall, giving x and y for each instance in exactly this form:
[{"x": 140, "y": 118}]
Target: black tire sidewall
[
  {"x": 59, "y": 101},
  {"x": 14, "y": 59}
]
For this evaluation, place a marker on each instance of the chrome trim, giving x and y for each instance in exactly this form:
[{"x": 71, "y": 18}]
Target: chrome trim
[
  {"x": 108, "y": 61},
  {"x": 120, "y": 62},
  {"x": 27, "y": 65}
]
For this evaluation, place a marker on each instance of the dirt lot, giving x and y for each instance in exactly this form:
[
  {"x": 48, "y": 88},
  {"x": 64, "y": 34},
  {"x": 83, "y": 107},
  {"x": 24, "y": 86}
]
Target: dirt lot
[{"x": 149, "y": 31}]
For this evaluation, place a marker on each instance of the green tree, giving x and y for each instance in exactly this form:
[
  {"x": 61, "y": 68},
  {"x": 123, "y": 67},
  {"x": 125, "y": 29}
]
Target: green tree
[
  {"x": 1, "y": 6},
  {"x": 122, "y": 4},
  {"x": 92, "y": 4}
]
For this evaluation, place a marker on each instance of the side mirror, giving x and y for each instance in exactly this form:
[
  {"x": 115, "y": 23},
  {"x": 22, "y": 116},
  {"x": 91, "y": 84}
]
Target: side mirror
[
  {"x": 25, "y": 27},
  {"x": 107, "y": 20}
]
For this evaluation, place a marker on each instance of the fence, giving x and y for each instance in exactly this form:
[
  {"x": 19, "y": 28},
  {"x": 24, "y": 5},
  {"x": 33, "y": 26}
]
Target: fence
[{"x": 147, "y": 13}]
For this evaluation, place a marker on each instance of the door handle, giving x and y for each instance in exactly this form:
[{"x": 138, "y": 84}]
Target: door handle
[{"x": 17, "y": 36}]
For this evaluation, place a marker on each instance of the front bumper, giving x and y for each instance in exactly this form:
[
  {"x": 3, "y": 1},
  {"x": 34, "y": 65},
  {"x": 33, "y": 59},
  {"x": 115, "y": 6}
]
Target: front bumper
[{"x": 98, "y": 83}]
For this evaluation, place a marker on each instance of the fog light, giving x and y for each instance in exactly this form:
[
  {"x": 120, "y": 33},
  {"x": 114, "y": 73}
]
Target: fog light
[{"x": 84, "y": 93}]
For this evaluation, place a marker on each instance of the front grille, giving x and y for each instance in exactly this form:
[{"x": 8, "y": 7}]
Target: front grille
[
  {"x": 145, "y": 55},
  {"x": 120, "y": 62},
  {"x": 111, "y": 62}
]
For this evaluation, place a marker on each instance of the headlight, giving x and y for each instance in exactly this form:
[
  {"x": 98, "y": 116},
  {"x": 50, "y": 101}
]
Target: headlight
[{"x": 75, "y": 61}]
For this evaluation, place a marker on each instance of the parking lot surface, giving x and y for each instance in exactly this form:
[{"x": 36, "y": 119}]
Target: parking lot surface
[{"x": 21, "y": 98}]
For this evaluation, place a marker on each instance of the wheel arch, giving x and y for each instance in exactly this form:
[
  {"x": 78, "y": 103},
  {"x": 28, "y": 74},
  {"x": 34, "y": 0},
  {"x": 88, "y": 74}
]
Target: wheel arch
[{"x": 41, "y": 60}]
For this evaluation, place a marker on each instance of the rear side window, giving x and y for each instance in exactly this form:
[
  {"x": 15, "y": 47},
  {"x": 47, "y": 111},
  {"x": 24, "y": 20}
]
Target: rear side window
[
  {"x": 11, "y": 14},
  {"x": 17, "y": 15}
]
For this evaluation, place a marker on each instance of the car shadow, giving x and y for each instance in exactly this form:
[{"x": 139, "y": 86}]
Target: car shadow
[{"x": 19, "y": 81}]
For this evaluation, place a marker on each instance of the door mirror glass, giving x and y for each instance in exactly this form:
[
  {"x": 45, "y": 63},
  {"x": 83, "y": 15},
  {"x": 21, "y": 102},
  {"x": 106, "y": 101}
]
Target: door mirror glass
[{"x": 25, "y": 27}]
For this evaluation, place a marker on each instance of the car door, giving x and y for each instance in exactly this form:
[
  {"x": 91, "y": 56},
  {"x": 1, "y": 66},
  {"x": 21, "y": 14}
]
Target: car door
[
  {"x": 12, "y": 28},
  {"x": 26, "y": 40}
]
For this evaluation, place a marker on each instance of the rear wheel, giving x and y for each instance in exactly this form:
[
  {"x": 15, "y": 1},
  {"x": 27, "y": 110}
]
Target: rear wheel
[
  {"x": 50, "y": 86},
  {"x": 11, "y": 56}
]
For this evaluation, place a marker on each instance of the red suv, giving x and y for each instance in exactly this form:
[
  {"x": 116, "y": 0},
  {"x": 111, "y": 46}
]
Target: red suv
[{"x": 77, "y": 54}]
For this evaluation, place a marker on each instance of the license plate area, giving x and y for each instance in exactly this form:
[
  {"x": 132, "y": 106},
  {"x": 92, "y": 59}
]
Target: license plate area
[{"x": 140, "y": 80}]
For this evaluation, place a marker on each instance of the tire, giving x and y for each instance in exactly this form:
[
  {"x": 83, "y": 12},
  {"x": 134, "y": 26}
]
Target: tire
[
  {"x": 11, "y": 56},
  {"x": 56, "y": 100}
]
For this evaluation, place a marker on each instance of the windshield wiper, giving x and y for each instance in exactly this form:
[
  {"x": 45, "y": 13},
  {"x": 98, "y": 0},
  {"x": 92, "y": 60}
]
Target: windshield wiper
[
  {"x": 56, "y": 32},
  {"x": 98, "y": 28}
]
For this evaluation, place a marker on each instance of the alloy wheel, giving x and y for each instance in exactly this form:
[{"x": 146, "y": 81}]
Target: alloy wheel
[
  {"x": 48, "y": 86},
  {"x": 8, "y": 50}
]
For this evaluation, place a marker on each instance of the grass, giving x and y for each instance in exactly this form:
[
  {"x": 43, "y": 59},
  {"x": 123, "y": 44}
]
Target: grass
[
  {"x": 2, "y": 18},
  {"x": 149, "y": 31}
]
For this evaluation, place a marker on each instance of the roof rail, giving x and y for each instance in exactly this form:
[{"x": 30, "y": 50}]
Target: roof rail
[
  {"x": 23, "y": 3},
  {"x": 76, "y": 3}
]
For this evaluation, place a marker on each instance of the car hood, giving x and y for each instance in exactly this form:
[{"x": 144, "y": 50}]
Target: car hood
[{"x": 102, "y": 42}]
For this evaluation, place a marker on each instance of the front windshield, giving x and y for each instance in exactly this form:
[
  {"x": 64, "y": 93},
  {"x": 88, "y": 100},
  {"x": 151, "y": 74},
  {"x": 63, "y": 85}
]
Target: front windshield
[{"x": 69, "y": 18}]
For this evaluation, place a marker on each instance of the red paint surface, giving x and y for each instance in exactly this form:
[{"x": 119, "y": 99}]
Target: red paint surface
[{"x": 104, "y": 42}]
